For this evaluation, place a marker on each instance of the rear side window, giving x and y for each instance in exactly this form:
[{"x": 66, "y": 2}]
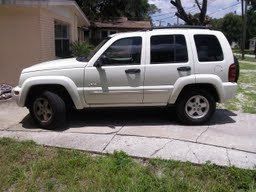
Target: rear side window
[
  {"x": 168, "y": 49},
  {"x": 208, "y": 48}
]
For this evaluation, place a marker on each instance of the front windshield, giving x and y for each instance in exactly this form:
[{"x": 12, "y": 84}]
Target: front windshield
[{"x": 93, "y": 52}]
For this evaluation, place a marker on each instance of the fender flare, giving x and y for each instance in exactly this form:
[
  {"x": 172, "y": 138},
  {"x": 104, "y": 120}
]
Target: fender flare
[
  {"x": 194, "y": 80},
  {"x": 66, "y": 82}
]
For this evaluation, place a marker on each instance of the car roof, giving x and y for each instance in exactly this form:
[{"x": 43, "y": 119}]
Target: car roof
[{"x": 166, "y": 30}]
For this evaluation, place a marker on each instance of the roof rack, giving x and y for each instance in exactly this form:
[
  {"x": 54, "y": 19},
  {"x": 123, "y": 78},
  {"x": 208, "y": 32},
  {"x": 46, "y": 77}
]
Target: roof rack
[{"x": 182, "y": 27}]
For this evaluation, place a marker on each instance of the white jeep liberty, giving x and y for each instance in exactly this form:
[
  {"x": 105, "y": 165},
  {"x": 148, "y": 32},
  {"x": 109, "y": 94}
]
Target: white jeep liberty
[{"x": 189, "y": 68}]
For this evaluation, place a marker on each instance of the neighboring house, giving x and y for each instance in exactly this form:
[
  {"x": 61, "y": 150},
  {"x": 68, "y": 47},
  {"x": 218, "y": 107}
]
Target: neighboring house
[
  {"x": 34, "y": 31},
  {"x": 234, "y": 45},
  {"x": 101, "y": 30},
  {"x": 252, "y": 43}
]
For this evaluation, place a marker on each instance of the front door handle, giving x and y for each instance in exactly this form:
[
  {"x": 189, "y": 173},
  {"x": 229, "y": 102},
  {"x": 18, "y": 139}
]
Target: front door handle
[
  {"x": 187, "y": 68},
  {"x": 132, "y": 71}
]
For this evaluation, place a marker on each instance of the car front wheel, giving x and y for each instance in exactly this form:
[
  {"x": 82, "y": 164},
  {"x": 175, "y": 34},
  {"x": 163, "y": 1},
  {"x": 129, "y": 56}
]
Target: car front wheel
[
  {"x": 195, "y": 107},
  {"x": 48, "y": 111}
]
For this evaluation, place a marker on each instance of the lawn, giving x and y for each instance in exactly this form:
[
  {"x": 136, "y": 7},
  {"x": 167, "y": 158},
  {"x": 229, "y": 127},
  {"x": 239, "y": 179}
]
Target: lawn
[
  {"x": 245, "y": 100},
  {"x": 250, "y": 59},
  {"x": 26, "y": 166}
]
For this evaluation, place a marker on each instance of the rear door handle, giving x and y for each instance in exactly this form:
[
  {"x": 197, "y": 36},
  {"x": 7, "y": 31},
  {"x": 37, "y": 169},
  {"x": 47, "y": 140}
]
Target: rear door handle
[
  {"x": 132, "y": 71},
  {"x": 187, "y": 68}
]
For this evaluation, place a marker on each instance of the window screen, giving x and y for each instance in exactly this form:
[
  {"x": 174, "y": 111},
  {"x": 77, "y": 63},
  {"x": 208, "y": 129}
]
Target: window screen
[
  {"x": 208, "y": 48},
  {"x": 123, "y": 51},
  {"x": 168, "y": 49}
]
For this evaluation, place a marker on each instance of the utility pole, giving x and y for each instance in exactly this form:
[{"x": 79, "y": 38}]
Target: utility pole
[{"x": 244, "y": 17}]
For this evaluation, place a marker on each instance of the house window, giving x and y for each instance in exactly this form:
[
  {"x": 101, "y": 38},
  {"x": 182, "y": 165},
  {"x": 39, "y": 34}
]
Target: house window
[
  {"x": 87, "y": 34},
  {"x": 61, "y": 40}
]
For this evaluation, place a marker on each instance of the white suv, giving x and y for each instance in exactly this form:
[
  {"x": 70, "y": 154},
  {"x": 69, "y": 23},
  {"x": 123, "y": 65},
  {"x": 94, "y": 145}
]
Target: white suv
[{"x": 189, "y": 68}]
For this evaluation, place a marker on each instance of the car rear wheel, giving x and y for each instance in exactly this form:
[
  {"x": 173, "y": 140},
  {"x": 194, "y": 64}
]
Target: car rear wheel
[
  {"x": 48, "y": 110},
  {"x": 195, "y": 107}
]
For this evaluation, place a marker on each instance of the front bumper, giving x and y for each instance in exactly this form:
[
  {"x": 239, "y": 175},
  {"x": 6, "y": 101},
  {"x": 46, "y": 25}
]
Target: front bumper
[{"x": 16, "y": 92}]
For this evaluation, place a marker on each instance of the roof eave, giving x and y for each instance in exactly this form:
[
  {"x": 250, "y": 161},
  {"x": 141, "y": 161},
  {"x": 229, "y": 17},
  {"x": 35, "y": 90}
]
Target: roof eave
[
  {"x": 77, "y": 9},
  {"x": 73, "y": 4}
]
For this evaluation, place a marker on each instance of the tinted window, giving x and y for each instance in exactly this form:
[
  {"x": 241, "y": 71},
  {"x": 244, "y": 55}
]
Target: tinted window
[
  {"x": 208, "y": 48},
  {"x": 168, "y": 49},
  {"x": 122, "y": 52}
]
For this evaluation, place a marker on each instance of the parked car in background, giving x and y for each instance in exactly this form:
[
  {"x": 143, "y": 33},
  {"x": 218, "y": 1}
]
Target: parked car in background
[{"x": 189, "y": 68}]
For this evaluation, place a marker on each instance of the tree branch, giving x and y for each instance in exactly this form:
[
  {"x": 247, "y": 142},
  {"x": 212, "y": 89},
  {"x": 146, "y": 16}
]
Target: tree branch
[
  {"x": 180, "y": 10},
  {"x": 198, "y": 5},
  {"x": 197, "y": 19},
  {"x": 203, "y": 11}
]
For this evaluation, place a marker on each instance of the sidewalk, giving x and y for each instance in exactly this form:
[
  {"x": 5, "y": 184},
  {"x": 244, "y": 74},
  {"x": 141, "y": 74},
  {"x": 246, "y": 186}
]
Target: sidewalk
[
  {"x": 246, "y": 55},
  {"x": 229, "y": 139}
]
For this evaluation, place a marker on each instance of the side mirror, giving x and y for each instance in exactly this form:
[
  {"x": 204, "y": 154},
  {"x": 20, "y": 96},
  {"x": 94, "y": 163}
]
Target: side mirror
[
  {"x": 98, "y": 63},
  {"x": 101, "y": 61}
]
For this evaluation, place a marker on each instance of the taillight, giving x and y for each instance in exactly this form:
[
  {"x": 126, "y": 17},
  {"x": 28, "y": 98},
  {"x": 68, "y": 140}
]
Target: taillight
[{"x": 232, "y": 73}]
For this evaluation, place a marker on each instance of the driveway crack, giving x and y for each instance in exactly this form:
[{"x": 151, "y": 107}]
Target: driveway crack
[
  {"x": 156, "y": 151},
  {"x": 202, "y": 133},
  {"x": 190, "y": 150},
  {"x": 229, "y": 163},
  {"x": 116, "y": 133}
]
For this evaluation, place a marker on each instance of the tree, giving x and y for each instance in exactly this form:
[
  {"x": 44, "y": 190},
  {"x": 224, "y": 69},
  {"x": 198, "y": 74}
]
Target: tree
[
  {"x": 110, "y": 9},
  {"x": 188, "y": 18},
  {"x": 216, "y": 24},
  {"x": 231, "y": 27},
  {"x": 251, "y": 22}
]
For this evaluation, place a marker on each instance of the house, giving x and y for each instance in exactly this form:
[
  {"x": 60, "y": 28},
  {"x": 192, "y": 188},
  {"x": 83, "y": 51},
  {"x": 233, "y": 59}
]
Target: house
[
  {"x": 234, "y": 45},
  {"x": 252, "y": 44},
  {"x": 100, "y": 30},
  {"x": 34, "y": 31}
]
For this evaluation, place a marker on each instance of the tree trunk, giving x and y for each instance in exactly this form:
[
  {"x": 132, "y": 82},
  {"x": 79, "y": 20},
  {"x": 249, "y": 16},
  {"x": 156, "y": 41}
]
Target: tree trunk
[{"x": 187, "y": 17}]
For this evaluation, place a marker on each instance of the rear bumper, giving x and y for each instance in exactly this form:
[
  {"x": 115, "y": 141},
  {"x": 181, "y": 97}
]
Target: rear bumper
[{"x": 229, "y": 91}]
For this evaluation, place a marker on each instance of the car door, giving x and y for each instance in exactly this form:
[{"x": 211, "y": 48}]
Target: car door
[
  {"x": 118, "y": 79},
  {"x": 169, "y": 59}
]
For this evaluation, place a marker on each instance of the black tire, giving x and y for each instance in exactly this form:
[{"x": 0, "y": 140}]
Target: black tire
[
  {"x": 184, "y": 117},
  {"x": 58, "y": 117}
]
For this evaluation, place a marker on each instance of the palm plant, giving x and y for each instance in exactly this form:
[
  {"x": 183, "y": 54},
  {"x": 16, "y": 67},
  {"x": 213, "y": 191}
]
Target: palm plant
[{"x": 80, "y": 49}]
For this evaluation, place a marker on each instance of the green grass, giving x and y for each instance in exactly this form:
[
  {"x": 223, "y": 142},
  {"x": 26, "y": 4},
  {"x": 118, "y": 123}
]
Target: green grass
[
  {"x": 250, "y": 59},
  {"x": 246, "y": 66},
  {"x": 26, "y": 166},
  {"x": 245, "y": 100}
]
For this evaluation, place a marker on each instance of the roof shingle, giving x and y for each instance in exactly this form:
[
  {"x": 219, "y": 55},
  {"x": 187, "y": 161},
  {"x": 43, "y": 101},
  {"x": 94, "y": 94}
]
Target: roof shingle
[{"x": 122, "y": 23}]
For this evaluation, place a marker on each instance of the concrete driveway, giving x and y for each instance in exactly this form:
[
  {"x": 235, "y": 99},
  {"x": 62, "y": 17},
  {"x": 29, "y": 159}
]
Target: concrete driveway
[{"x": 229, "y": 139}]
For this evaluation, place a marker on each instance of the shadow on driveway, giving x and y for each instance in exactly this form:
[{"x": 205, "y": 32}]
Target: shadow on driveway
[{"x": 113, "y": 118}]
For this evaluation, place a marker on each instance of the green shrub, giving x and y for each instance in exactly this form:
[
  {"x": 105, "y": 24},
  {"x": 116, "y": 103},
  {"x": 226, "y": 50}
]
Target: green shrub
[{"x": 80, "y": 49}]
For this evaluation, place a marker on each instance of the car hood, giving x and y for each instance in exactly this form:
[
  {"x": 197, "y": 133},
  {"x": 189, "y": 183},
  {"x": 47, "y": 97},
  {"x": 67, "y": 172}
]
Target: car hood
[{"x": 55, "y": 65}]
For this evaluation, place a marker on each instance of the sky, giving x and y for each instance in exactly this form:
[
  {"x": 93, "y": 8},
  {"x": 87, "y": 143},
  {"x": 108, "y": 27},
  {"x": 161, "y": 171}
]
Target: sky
[{"x": 216, "y": 9}]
